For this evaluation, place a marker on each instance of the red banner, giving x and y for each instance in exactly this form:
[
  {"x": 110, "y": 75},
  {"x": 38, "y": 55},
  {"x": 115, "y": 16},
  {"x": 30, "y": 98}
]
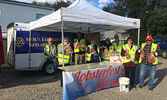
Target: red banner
[{"x": 2, "y": 59}]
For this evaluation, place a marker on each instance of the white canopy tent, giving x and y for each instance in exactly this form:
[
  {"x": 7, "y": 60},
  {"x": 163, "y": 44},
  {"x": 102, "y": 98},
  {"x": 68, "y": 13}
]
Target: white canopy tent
[{"x": 82, "y": 16}]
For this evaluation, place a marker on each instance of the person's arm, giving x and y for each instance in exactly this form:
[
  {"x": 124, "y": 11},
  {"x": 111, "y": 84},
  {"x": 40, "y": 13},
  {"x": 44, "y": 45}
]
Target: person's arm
[
  {"x": 46, "y": 53},
  {"x": 137, "y": 54},
  {"x": 95, "y": 47},
  {"x": 113, "y": 44},
  {"x": 123, "y": 52},
  {"x": 71, "y": 51},
  {"x": 56, "y": 51},
  {"x": 102, "y": 49},
  {"x": 158, "y": 52}
]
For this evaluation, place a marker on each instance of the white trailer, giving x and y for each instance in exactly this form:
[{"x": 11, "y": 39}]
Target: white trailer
[{"x": 25, "y": 48}]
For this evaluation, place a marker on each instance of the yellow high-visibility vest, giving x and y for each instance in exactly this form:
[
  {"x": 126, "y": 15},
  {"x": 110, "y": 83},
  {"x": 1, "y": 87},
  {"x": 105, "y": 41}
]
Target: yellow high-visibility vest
[
  {"x": 153, "y": 48},
  {"x": 60, "y": 56},
  {"x": 131, "y": 52},
  {"x": 88, "y": 55},
  {"x": 80, "y": 43},
  {"x": 48, "y": 50},
  {"x": 109, "y": 54},
  {"x": 118, "y": 47}
]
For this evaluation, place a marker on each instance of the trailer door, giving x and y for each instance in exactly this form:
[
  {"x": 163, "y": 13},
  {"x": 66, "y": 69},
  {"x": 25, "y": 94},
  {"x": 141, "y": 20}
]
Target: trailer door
[
  {"x": 10, "y": 46},
  {"x": 22, "y": 50}
]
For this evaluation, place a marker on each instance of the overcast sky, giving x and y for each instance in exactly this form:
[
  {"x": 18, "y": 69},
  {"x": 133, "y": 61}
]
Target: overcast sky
[{"x": 97, "y": 3}]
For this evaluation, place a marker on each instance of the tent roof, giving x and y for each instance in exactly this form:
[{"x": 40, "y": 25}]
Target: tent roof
[{"x": 82, "y": 16}]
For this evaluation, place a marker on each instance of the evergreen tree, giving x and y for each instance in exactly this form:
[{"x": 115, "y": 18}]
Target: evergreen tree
[
  {"x": 151, "y": 12},
  {"x": 56, "y": 5}
]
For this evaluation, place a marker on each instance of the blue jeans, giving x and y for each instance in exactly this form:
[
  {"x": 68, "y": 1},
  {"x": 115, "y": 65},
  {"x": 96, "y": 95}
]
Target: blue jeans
[
  {"x": 55, "y": 64},
  {"x": 143, "y": 70}
]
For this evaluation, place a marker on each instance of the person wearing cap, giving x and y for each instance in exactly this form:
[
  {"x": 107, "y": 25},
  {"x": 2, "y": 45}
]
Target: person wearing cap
[
  {"x": 107, "y": 49},
  {"x": 148, "y": 59},
  {"x": 79, "y": 49},
  {"x": 92, "y": 53},
  {"x": 50, "y": 52},
  {"x": 130, "y": 56},
  {"x": 117, "y": 44}
]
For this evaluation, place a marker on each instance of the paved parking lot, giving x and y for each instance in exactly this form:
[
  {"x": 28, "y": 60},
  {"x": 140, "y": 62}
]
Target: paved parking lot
[{"x": 34, "y": 85}]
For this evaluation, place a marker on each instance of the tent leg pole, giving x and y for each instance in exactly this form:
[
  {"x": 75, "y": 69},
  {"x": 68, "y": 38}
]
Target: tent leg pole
[
  {"x": 62, "y": 33},
  {"x": 29, "y": 63},
  {"x": 138, "y": 37}
]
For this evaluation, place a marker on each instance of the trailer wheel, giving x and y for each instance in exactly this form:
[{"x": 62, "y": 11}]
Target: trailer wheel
[
  {"x": 164, "y": 54},
  {"x": 48, "y": 68}
]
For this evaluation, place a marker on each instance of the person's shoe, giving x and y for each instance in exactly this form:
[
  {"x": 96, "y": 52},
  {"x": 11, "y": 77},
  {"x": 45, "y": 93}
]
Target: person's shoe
[
  {"x": 140, "y": 86},
  {"x": 151, "y": 89},
  {"x": 134, "y": 86}
]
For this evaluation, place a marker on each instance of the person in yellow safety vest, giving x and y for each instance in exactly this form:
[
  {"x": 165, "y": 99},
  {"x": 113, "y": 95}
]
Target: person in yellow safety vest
[
  {"x": 67, "y": 52},
  {"x": 107, "y": 49},
  {"x": 79, "y": 49},
  {"x": 130, "y": 56},
  {"x": 117, "y": 44},
  {"x": 50, "y": 52},
  {"x": 149, "y": 53},
  {"x": 92, "y": 53}
]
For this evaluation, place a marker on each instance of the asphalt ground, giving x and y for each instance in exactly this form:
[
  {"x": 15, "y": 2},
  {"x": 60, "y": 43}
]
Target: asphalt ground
[{"x": 34, "y": 85}]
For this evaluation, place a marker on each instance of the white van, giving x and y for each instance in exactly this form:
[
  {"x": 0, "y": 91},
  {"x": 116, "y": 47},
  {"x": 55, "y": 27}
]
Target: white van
[{"x": 23, "y": 54}]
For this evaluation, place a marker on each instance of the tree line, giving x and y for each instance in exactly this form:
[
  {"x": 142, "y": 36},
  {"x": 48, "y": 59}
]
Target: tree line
[
  {"x": 153, "y": 15},
  {"x": 56, "y": 5}
]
